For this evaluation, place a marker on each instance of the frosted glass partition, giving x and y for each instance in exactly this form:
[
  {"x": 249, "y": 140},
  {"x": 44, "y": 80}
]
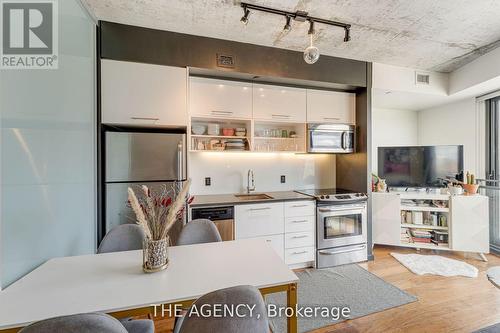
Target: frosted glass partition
[{"x": 48, "y": 153}]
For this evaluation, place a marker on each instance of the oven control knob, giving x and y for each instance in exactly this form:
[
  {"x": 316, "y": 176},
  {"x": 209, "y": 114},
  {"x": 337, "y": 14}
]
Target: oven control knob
[
  {"x": 328, "y": 197},
  {"x": 322, "y": 197}
]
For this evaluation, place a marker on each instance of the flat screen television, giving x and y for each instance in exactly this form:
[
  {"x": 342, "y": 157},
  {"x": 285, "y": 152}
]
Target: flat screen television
[{"x": 420, "y": 166}]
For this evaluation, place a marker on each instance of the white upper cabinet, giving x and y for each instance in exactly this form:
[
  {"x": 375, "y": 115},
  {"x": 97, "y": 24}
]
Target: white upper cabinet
[
  {"x": 330, "y": 107},
  {"x": 143, "y": 94},
  {"x": 220, "y": 98},
  {"x": 279, "y": 103}
]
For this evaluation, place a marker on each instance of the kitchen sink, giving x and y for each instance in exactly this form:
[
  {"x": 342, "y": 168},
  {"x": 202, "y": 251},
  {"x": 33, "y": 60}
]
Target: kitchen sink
[{"x": 253, "y": 196}]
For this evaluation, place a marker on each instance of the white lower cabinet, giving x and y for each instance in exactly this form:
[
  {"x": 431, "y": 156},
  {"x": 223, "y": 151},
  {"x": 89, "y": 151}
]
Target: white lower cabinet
[
  {"x": 301, "y": 255},
  {"x": 277, "y": 243},
  {"x": 259, "y": 220},
  {"x": 299, "y": 223},
  {"x": 300, "y": 208},
  {"x": 288, "y": 226},
  {"x": 299, "y": 239}
]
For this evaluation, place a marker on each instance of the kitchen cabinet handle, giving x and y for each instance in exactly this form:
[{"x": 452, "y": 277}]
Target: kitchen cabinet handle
[
  {"x": 298, "y": 206},
  {"x": 263, "y": 208},
  {"x": 145, "y": 118},
  {"x": 222, "y": 112},
  {"x": 303, "y": 236},
  {"x": 280, "y": 116},
  {"x": 301, "y": 221},
  {"x": 331, "y": 118},
  {"x": 299, "y": 252}
]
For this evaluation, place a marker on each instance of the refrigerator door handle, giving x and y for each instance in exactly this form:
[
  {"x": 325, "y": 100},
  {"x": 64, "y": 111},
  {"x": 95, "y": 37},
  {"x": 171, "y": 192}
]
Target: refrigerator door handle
[{"x": 180, "y": 162}]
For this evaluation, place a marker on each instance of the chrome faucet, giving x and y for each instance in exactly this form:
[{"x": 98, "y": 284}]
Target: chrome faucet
[{"x": 250, "y": 175}]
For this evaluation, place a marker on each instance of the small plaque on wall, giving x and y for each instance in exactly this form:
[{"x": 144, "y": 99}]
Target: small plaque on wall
[{"x": 225, "y": 60}]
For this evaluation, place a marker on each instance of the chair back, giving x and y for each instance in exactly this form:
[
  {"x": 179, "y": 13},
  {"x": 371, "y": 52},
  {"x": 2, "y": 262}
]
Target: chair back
[
  {"x": 79, "y": 323},
  {"x": 232, "y": 297},
  {"x": 199, "y": 231},
  {"x": 124, "y": 237}
]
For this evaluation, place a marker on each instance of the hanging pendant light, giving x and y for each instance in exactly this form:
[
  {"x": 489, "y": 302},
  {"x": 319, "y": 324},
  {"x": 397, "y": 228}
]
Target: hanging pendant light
[{"x": 311, "y": 53}]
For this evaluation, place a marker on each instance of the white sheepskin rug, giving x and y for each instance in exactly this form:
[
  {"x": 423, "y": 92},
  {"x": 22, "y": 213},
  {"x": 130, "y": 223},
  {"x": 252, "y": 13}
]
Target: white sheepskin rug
[
  {"x": 437, "y": 265},
  {"x": 494, "y": 275}
]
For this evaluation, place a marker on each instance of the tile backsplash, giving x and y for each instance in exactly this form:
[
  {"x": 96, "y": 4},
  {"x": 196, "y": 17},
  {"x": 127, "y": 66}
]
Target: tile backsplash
[{"x": 228, "y": 171}]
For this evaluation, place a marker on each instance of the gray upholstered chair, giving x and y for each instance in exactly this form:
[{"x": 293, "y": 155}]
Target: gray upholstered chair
[
  {"x": 257, "y": 323},
  {"x": 199, "y": 231},
  {"x": 124, "y": 237},
  {"x": 127, "y": 237},
  {"x": 80, "y": 323}
]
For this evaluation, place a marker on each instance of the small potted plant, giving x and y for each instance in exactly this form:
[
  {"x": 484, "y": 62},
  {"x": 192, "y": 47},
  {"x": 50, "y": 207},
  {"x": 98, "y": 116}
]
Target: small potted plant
[
  {"x": 470, "y": 187},
  {"x": 156, "y": 212}
]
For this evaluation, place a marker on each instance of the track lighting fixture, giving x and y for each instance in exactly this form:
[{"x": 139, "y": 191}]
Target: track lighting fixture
[
  {"x": 311, "y": 28},
  {"x": 288, "y": 25},
  {"x": 244, "y": 18},
  {"x": 347, "y": 36},
  {"x": 311, "y": 54}
]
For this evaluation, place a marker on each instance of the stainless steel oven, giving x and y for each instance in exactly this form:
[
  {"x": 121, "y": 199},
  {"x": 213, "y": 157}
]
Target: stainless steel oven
[
  {"x": 341, "y": 234},
  {"x": 330, "y": 138}
]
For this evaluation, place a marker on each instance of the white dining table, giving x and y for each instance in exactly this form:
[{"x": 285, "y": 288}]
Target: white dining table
[{"x": 115, "y": 283}]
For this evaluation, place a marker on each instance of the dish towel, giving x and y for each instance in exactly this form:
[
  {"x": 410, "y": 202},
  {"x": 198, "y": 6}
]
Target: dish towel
[{"x": 437, "y": 265}]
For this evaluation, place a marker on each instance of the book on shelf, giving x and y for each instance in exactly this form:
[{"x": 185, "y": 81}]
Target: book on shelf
[
  {"x": 421, "y": 240},
  {"x": 421, "y": 233}
]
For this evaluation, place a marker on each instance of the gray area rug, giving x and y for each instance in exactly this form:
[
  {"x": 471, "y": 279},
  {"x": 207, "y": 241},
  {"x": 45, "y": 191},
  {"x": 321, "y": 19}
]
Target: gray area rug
[
  {"x": 343, "y": 286},
  {"x": 490, "y": 329}
]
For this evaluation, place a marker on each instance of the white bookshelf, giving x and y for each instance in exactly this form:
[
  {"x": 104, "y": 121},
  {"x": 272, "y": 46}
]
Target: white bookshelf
[{"x": 467, "y": 222}]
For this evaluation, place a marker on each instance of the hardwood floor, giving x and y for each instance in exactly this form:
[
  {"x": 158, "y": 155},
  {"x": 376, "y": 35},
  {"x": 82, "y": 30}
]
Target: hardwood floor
[{"x": 445, "y": 304}]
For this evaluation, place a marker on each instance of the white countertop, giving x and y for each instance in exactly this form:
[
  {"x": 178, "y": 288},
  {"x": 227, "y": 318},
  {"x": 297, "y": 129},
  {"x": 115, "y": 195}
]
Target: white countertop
[{"x": 115, "y": 281}]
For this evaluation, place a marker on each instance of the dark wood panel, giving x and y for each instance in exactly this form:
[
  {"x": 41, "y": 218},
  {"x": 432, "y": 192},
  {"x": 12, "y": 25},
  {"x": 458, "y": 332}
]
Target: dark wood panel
[
  {"x": 226, "y": 229},
  {"x": 132, "y": 43}
]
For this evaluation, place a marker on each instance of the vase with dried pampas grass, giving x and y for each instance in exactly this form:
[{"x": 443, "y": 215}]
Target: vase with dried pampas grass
[{"x": 156, "y": 212}]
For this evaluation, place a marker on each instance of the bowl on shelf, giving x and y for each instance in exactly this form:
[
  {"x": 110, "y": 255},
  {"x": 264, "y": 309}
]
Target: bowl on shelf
[
  {"x": 455, "y": 190},
  {"x": 198, "y": 129},
  {"x": 228, "y": 131},
  {"x": 241, "y": 131}
]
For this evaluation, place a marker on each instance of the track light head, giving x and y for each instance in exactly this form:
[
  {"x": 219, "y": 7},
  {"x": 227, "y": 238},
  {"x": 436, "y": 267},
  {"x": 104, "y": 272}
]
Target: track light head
[
  {"x": 288, "y": 25},
  {"x": 311, "y": 27},
  {"x": 347, "y": 36},
  {"x": 244, "y": 18}
]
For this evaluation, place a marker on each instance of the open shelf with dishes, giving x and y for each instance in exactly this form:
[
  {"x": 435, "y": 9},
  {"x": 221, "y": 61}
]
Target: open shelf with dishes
[
  {"x": 425, "y": 223},
  {"x": 209, "y": 134},
  {"x": 271, "y": 136},
  {"x": 244, "y": 135}
]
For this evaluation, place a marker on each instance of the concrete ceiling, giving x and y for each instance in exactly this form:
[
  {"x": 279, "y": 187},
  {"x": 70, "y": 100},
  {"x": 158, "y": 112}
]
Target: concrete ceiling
[{"x": 439, "y": 35}]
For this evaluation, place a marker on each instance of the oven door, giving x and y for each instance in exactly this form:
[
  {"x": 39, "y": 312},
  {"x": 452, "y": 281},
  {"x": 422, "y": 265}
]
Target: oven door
[
  {"x": 330, "y": 141},
  {"x": 341, "y": 225}
]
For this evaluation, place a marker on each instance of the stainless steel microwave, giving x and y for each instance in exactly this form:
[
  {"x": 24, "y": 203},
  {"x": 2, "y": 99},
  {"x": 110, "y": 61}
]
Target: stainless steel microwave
[{"x": 330, "y": 138}]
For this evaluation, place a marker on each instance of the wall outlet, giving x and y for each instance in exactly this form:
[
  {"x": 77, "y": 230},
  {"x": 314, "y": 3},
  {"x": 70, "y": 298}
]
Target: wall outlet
[
  {"x": 283, "y": 179},
  {"x": 208, "y": 181}
]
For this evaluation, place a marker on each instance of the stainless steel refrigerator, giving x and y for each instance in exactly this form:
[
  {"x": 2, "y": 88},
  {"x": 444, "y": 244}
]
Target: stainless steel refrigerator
[{"x": 135, "y": 158}]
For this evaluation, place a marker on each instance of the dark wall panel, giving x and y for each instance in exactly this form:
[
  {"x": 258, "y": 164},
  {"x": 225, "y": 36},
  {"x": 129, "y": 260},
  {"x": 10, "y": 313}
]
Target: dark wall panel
[
  {"x": 131, "y": 43},
  {"x": 353, "y": 171}
]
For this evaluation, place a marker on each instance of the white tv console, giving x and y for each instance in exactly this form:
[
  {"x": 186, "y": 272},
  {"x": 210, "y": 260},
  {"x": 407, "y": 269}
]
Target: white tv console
[{"x": 466, "y": 215}]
